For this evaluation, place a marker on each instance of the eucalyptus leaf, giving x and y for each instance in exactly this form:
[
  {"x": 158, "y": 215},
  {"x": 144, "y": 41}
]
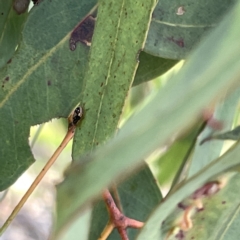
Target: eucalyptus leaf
[
  {"x": 220, "y": 165},
  {"x": 229, "y": 135},
  {"x": 217, "y": 214},
  {"x": 173, "y": 110},
  {"x": 179, "y": 26},
  {"x": 151, "y": 67},
  {"x": 224, "y": 113},
  {"x": 110, "y": 73},
  {"x": 43, "y": 80}
]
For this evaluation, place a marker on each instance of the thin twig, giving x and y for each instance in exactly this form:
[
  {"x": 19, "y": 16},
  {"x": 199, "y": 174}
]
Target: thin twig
[
  {"x": 117, "y": 219},
  {"x": 107, "y": 230},
  {"x": 73, "y": 119}
]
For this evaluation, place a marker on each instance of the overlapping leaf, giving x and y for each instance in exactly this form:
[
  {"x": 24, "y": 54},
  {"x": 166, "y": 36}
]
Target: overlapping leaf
[
  {"x": 206, "y": 77},
  {"x": 178, "y": 26},
  {"x": 151, "y": 67},
  {"x": 213, "y": 220},
  {"x": 224, "y": 113},
  {"x": 43, "y": 80}
]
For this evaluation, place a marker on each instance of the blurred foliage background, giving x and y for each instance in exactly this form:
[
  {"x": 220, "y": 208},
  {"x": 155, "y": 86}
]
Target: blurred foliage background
[{"x": 38, "y": 212}]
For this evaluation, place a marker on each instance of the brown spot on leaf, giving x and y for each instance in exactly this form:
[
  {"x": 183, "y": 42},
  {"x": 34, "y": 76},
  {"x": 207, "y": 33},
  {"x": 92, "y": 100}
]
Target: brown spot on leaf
[
  {"x": 180, "y": 11},
  {"x": 207, "y": 189},
  {"x": 182, "y": 206},
  {"x": 49, "y": 83},
  {"x": 180, "y": 235},
  {"x": 179, "y": 41},
  {"x": 82, "y": 33},
  {"x": 9, "y": 61},
  {"x": 200, "y": 209},
  {"x": 6, "y": 79}
]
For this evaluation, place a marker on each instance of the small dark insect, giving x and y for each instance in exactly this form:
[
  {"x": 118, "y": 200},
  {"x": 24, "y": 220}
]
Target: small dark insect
[
  {"x": 82, "y": 33},
  {"x": 77, "y": 115}
]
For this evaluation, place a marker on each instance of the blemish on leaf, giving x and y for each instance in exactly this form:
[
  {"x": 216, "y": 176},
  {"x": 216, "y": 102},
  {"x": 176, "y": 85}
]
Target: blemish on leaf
[
  {"x": 20, "y": 6},
  {"x": 6, "y": 79},
  {"x": 2, "y": 13},
  {"x": 82, "y": 33},
  {"x": 9, "y": 61},
  {"x": 223, "y": 202},
  {"x": 49, "y": 83},
  {"x": 179, "y": 41},
  {"x": 206, "y": 190},
  {"x": 180, "y": 235},
  {"x": 200, "y": 209},
  {"x": 180, "y": 11},
  {"x": 182, "y": 206}
]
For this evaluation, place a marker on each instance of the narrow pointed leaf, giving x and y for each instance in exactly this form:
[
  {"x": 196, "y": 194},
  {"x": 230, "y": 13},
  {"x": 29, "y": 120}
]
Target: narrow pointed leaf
[
  {"x": 151, "y": 67},
  {"x": 224, "y": 113},
  {"x": 230, "y": 135},
  {"x": 120, "y": 33}
]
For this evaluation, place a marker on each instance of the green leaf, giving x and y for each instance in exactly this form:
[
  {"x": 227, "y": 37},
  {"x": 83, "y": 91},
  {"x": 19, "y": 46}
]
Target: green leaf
[
  {"x": 79, "y": 228},
  {"x": 11, "y": 24},
  {"x": 229, "y": 135},
  {"x": 112, "y": 66},
  {"x": 218, "y": 211},
  {"x": 232, "y": 230},
  {"x": 210, "y": 72},
  {"x": 138, "y": 195},
  {"x": 177, "y": 27},
  {"x": 176, "y": 156},
  {"x": 224, "y": 113},
  {"x": 151, "y": 67},
  {"x": 230, "y": 159},
  {"x": 42, "y": 82}
]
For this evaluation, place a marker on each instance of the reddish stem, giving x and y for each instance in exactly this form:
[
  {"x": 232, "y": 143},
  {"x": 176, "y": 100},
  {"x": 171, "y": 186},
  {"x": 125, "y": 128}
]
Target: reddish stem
[{"x": 117, "y": 218}]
